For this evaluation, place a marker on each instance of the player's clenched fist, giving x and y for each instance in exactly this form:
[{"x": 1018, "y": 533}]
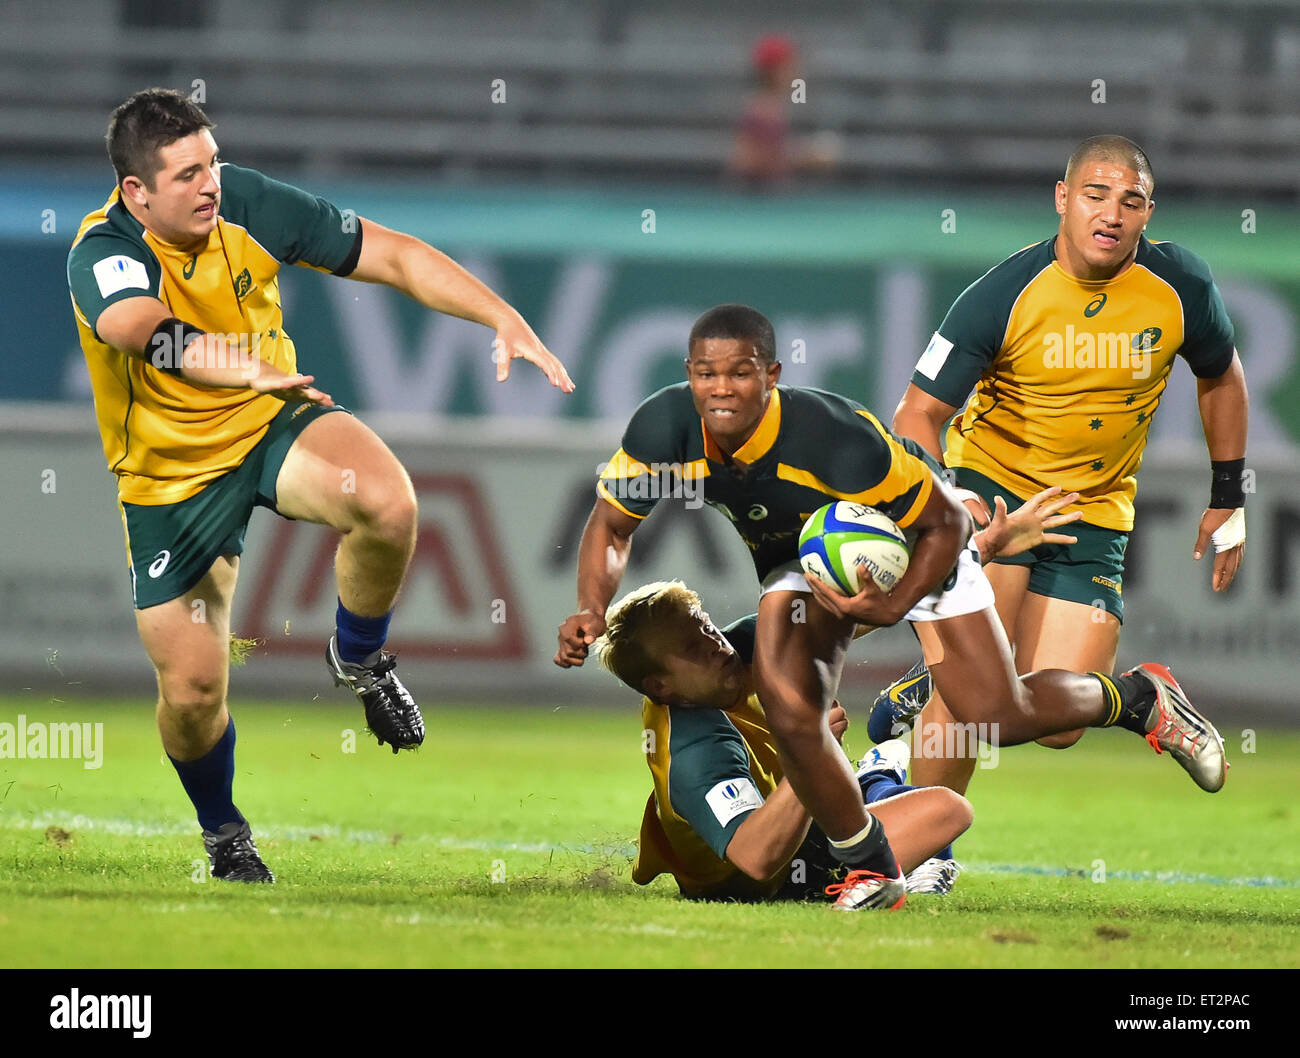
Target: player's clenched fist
[{"x": 576, "y": 635}]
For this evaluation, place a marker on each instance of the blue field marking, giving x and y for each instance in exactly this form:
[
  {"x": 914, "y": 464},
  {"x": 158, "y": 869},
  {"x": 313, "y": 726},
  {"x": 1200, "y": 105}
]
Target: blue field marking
[{"x": 1159, "y": 877}]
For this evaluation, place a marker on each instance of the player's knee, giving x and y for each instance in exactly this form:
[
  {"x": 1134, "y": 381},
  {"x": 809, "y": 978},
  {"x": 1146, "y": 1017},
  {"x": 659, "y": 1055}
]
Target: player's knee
[
  {"x": 387, "y": 509},
  {"x": 193, "y": 697},
  {"x": 1061, "y": 740},
  {"x": 958, "y": 813}
]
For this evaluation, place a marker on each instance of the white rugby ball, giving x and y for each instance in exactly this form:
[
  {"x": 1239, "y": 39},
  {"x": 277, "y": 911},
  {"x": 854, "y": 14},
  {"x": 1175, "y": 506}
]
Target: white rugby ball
[{"x": 843, "y": 541}]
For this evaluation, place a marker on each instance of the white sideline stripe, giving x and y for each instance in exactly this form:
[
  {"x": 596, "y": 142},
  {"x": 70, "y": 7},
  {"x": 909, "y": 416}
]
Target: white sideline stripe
[{"x": 136, "y": 828}]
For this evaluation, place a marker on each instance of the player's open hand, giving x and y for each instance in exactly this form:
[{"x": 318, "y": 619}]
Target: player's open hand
[
  {"x": 515, "y": 340},
  {"x": 576, "y": 636},
  {"x": 1029, "y": 525},
  {"x": 1226, "y": 529},
  {"x": 289, "y": 388},
  {"x": 837, "y": 720},
  {"x": 870, "y": 606}
]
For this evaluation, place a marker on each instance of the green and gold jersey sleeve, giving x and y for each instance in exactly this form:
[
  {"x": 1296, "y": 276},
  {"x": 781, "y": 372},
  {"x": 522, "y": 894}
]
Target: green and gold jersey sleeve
[
  {"x": 655, "y": 453},
  {"x": 106, "y": 266},
  {"x": 841, "y": 450},
  {"x": 293, "y": 226},
  {"x": 709, "y": 780},
  {"x": 973, "y": 332},
  {"x": 1208, "y": 336}
]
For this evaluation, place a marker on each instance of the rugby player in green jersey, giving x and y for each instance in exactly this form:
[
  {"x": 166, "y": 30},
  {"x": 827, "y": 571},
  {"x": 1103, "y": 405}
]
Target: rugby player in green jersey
[
  {"x": 1064, "y": 351},
  {"x": 769, "y": 456}
]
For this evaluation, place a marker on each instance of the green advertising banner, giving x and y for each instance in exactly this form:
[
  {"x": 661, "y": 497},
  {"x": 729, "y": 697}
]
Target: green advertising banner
[{"x": 612, "y": 282}]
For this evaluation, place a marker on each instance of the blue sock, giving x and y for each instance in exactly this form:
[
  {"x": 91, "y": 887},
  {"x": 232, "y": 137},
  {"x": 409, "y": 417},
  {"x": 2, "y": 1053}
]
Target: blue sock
[
  {"x": 210, "y": 780},
  {"x": 359, "y": 637},
  {"x": 879, "y": 785}
]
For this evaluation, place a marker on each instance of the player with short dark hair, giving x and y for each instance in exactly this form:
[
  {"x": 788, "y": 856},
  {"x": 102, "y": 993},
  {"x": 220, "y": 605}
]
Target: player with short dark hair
[
  {"x": 769, "y": 456},
  {"x": 1068, "y": 346},
  {"x": 204, "y": 415},
  {"x": 736, "y": 321},
  {"x": 722, "y": 820}
]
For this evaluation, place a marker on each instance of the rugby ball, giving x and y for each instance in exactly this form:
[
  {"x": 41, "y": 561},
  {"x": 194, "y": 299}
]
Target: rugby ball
[{"x": 843, "y": 540}]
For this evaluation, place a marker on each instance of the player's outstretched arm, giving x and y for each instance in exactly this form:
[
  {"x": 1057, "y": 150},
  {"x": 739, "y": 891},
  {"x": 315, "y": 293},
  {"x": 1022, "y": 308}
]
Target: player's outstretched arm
[
  {"x": 602, "y": 558},
  {"x": 412, "y": 266},
  {"x": 1225, "y": 409},
  {"x": 135, "y": 325}
]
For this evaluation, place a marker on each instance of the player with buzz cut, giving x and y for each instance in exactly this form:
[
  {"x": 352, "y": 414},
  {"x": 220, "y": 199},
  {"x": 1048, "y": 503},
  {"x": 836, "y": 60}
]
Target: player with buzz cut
[
  {"x": 1068, "y": 345},
  {"x": 204, "y": 414},
  {"x": 722, "y": 820},
  {"x": 767, "y": 456}
]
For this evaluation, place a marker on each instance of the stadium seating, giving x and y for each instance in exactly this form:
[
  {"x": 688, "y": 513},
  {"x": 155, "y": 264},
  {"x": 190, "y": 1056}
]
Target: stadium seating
[{"x": 595, "y": 90}]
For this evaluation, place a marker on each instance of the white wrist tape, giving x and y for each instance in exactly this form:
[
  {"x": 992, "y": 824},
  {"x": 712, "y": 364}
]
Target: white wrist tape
[{"x": 1231, "y": 533}]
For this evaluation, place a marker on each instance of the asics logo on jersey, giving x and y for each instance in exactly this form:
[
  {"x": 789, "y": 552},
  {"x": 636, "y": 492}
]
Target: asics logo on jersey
[
  {"x": 1094, "y": 306},
  {"x": 159, "y": 564},
  {"x": 188, "y": 270},
  {"x": 757, "y": 513}
]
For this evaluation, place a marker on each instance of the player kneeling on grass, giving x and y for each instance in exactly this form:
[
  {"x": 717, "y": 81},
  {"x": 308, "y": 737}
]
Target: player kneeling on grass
[{"x": 722, "y": 819}]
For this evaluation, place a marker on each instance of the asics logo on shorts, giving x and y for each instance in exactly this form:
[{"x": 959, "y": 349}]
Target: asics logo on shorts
[{"x": 159, "y": 564}]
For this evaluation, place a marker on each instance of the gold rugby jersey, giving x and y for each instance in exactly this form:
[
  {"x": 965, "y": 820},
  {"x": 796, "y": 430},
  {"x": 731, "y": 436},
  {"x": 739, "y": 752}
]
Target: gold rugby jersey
[
  {"x": 711, "y": 770},
  {"x": 165, "y": 438},
  {"x": 1067, "y": 373}
]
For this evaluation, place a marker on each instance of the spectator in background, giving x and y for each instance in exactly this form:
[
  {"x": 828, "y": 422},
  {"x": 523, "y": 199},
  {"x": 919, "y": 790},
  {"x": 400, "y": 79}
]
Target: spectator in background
[{"x": 765, "y": 156}]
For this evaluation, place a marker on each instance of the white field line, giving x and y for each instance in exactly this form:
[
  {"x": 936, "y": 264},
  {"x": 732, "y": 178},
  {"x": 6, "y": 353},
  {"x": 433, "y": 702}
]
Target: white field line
[{"x": 295, "y": 832}]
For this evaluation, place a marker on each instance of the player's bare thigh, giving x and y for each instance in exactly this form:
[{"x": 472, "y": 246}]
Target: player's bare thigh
[
  {"x": 1060, "y": 634},
  {"x": 971, "y": 665},
  {"x": 339, "y": 473},
  {"x": 188, "y": 640},
  {"x": 1010, "y": 589},
  {"x": 799, "y": 650}
]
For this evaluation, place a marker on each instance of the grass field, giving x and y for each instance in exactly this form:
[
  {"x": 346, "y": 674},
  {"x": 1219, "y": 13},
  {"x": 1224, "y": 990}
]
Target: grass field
[{"x": 507, "y": 841}]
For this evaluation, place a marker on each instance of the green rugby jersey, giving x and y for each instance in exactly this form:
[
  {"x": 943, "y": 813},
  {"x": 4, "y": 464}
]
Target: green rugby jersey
[{"x": 810, "y": 447}]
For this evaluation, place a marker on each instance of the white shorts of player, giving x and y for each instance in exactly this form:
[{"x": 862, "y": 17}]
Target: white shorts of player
[{"x": 971, "y": 593}]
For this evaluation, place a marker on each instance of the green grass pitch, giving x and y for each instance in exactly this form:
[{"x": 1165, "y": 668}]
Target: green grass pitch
[{"x": 507, "y": 841}]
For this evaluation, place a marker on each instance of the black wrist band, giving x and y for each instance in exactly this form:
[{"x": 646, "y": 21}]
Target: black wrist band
[
  {"x": 1226, "y": 489},
  {"x": 167, "y": 344}
]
